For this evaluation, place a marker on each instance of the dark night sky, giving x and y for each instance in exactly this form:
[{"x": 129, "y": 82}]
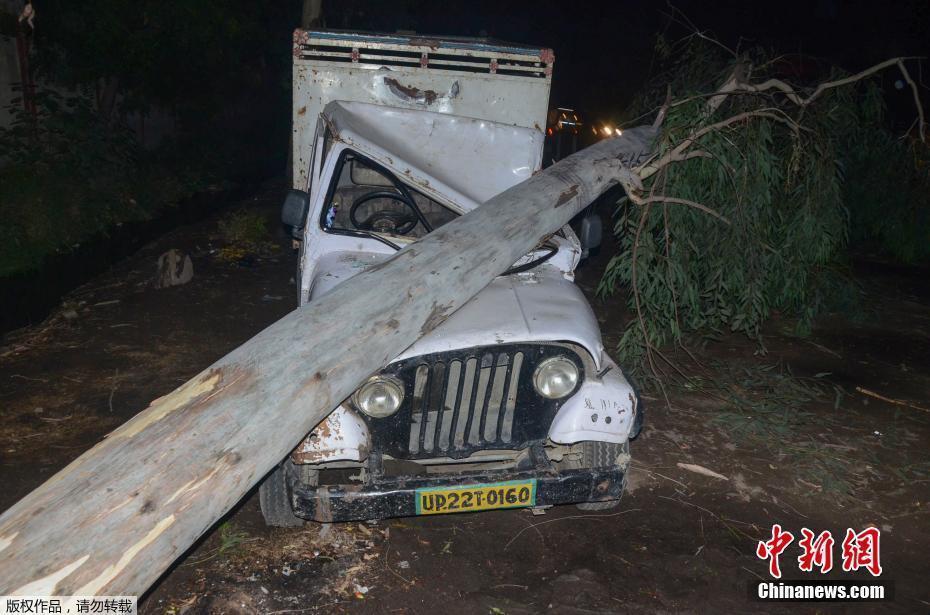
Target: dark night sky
[{"x": 603, "y": 50}]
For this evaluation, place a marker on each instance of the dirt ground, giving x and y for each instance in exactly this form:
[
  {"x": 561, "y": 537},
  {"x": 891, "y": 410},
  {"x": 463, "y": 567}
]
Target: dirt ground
[{"x": 793, "y": 440}]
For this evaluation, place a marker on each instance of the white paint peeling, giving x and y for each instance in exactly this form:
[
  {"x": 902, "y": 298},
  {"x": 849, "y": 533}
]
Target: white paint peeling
[
  {"x": 110, "y": 572},
  {"x": 46, "y": 585}
]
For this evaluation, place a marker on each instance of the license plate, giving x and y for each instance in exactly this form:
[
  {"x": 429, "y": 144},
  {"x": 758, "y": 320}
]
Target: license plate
[{"x": 468, "y": 498}]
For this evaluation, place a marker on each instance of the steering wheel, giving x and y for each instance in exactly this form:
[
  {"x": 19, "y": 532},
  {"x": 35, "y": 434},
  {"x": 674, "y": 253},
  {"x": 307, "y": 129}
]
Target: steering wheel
[
  {"x": 387, "y": 221},
  {"x": 550, "y": 248}
]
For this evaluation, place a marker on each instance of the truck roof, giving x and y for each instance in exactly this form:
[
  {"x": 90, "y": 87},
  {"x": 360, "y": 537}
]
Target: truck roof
[{"x": 432, "y": 42}]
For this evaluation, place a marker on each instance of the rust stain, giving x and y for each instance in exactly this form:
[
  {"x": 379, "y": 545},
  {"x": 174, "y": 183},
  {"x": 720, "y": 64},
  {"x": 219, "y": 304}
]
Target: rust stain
[
  {"x": 329, "y": 435},
  {"x": 306, "y": 457},
  {"x": 566, "y": 196},
  {"x": 425, "y": 42},
  {"x": 302, "y": 111},
  {"x": 411, "y": 93},
  {"x": 325, "y": 429}
]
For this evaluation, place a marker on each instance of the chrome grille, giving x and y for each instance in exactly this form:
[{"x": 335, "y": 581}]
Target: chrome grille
[{"x": 466, "y": 402}]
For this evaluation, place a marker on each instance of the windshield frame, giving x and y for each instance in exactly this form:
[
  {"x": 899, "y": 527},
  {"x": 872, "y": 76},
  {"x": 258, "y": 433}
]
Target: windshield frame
[{"x": 399, "y": 185}]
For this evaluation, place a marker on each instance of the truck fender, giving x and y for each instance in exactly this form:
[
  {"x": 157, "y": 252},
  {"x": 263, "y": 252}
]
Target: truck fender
[
  {"x": 604, "y": 409},
  {"x": 342, "y": 436}
]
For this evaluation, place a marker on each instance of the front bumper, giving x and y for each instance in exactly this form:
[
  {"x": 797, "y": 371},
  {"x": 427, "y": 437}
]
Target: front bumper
[{"x": 384, "y": 497}]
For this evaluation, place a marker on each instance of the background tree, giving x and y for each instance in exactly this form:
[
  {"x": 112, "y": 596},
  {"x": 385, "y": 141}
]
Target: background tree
[
  {"x": 216, "y": 73},
  {"x": 746, "y": 207}
]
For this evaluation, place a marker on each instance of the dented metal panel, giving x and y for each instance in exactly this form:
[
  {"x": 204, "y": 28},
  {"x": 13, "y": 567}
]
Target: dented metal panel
[
  {"x": 383, "y": 496},
  {"x": 477, "y": 79},
  {"x": 342, "y": 436},
  {"x": 456, "y": 160},
  {"x": 526, "y": 307},
  {"x": 604, "y": 409}
]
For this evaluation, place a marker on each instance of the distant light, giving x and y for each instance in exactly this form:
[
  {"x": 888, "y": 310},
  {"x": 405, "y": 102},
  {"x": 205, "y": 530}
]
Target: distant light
[
  {"x": 618, "y": 131},
  {"x": 607, "y": 131}
]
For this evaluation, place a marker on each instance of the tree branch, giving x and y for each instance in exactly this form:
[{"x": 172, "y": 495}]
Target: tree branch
[
  {"x": 678, "y": 153},
  {"x": 793, "y": 96},
  {"x": 677, "y": 201},
  {"x": 922, "y": 124}
]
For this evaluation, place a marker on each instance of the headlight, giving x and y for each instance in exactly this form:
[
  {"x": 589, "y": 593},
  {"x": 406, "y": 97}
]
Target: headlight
[
  {"x": 379, "y": 397},
  {"x": 555, "y": 377}
]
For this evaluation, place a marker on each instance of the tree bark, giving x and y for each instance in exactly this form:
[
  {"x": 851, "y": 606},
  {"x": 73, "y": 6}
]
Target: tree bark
[
  {"x": 23, "y": 40},
  {"x": 107, "y": 90},
  {"x": 114, "y": 519},
  {"x": 312, "y": 14}
]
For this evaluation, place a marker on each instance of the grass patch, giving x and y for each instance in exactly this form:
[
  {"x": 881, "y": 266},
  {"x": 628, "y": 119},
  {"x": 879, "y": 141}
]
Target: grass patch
[
  {"x": 55, "y": 209},
  {"x": 230, "y": 539},
  {"x": 244, "y": 233},
  {"x": 770, "y": 409}
]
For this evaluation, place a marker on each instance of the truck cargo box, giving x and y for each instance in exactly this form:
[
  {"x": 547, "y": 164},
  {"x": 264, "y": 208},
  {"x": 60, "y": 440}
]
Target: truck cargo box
[{"x": 474, "y": 78}]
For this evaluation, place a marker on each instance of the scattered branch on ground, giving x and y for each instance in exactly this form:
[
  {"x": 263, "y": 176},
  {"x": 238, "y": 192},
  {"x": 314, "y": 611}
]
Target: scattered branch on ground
[
  {"x": 693, "y": 467},
  {"x": 897, "y": 402},
  {"x": 584, "y": 517}
]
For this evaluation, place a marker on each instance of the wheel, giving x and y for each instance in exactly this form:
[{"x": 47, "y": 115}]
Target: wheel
[
  {"x": 598, "y": 455},
  {"x": 274, "y": 496}
]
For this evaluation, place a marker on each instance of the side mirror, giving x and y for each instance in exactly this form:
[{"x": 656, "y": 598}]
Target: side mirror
[
  {"x": 295, "y": 209},
  {"x": 590, "y": 233}
]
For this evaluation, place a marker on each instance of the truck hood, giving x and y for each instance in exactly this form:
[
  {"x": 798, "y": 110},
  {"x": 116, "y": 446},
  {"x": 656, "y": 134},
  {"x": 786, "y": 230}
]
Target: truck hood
[{"x": 536, "y": 306}]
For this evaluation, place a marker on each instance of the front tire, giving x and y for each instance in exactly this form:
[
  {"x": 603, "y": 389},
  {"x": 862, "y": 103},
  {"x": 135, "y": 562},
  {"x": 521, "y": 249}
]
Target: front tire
[
  {"x": 599, "y": 455},
  {"x": 274, "y": 495}
]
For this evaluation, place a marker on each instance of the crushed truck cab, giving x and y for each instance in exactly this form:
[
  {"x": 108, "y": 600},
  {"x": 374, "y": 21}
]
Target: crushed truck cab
[{"x": 510, "y": 402}]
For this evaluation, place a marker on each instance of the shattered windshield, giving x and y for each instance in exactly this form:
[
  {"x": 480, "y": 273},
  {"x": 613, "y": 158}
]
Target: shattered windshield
[{"x": 365, "y": 197}]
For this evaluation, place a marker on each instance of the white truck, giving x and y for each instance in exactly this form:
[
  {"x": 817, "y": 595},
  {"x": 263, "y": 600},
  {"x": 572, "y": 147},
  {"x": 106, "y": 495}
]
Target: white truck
[{"x": 512, "y": 401}]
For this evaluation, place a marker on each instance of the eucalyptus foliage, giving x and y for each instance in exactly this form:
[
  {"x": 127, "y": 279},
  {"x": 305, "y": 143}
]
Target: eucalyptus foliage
[
  {"x": 781, "y": 180},
  {"x": 887, "y": 191}
]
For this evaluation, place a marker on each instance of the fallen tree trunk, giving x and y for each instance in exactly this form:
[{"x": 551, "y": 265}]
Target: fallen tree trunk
[{"x": 118, "y": 516}]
